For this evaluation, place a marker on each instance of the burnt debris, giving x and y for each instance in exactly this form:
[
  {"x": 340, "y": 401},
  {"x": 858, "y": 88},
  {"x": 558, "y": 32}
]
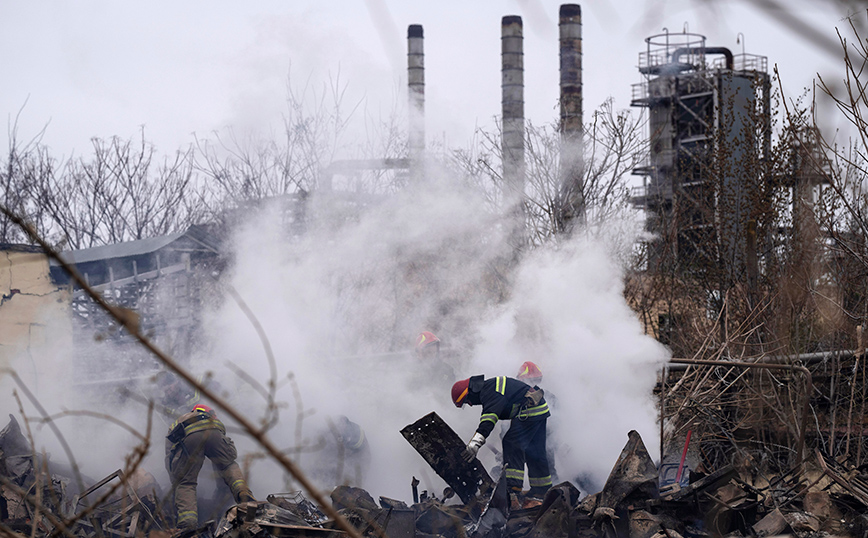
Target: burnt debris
[{"x": 821, "y": 496}]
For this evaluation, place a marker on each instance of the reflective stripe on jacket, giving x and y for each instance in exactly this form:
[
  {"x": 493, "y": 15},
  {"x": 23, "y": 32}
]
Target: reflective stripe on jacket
[
  {"x": 194, "y": 421},
  {"x": 504, "y": 398}
]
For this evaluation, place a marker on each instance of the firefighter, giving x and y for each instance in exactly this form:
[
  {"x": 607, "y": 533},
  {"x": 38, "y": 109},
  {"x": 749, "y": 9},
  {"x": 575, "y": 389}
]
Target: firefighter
[
  {"x": 505, "y": 398},
  {"x": 192, "y": 438},
  {"x": 428, "y": 345},
  {"x": 531, "y": 374},
  {"x": 355, "y": 447},
  {"x": 344, "y": 457},
  {"x": 435, "y": 370}
]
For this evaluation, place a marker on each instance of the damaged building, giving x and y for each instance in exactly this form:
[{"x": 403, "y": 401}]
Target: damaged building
[
  {"x": 770, "y": 445},
  {"x": 165, "y": 280},
  {"x": 33, "y": 309}
]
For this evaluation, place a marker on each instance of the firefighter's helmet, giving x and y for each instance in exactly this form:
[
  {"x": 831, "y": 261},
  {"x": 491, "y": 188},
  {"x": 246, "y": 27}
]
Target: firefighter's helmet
[
  {"x": 425, "y": 339},
  {"x": 202, "y": 408},
  {"x": 529, "y": 372},
  {"x": 459, "y": 392}
]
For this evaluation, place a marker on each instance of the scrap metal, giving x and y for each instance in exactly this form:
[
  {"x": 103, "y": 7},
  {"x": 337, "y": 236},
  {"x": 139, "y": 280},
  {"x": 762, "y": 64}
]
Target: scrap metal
[{"x": 441, "y": 447}]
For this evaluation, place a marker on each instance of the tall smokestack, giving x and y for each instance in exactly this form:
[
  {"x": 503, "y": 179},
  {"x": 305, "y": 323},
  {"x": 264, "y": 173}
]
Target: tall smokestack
[
  {"x": 512, "y": 88},
  {"x": 572, "y": 196},
  {"x": 416, "y": 92}
]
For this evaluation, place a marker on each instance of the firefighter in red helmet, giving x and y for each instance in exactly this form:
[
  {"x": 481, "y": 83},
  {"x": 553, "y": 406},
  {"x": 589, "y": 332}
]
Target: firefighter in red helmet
[
  {"x": 505, "y": 398},
  {"x": 427, "y": 344},
  {"x": 436, "y": 370},
  {"x": 531, "y": 374},
  {"x": 192, "y": 438}
]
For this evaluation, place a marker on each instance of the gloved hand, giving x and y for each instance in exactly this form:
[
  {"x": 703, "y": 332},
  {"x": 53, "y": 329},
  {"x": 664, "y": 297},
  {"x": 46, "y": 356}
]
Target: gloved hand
[{"x": 473, "y": 447}]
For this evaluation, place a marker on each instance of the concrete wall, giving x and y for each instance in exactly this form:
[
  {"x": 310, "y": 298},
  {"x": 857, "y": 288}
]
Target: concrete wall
[{"x": 35, "y": 324}]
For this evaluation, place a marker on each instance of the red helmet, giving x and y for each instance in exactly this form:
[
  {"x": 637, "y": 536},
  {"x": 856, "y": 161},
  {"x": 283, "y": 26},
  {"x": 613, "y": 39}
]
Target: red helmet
[
  {"x": 459, "y": 392},
  {"x": 203, "y": 408},
  {"x": 529, "y": 370},
  {"x": 425, "y": 339}
]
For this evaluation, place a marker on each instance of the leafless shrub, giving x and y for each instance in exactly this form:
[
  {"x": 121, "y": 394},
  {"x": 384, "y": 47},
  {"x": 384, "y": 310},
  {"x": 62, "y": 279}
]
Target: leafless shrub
[{"x": 613, "y": 142}]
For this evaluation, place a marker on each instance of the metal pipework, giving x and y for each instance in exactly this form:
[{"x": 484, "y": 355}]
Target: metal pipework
[
  {"x": 572, "y": 202},
  {"x": 704, "y": 50},
  {"x": 416, "y": 95},
  {"x": 809, "y": 388},
  {"x": 512, "y": 103}
]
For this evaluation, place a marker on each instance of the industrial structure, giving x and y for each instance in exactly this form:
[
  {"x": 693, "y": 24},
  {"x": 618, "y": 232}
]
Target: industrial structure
[
  {"x": 165, "y": 280},
  {"x": 571, "y": 206},
  {"x": 709, "y": 130},
  {"x": 706, "y": 185}
]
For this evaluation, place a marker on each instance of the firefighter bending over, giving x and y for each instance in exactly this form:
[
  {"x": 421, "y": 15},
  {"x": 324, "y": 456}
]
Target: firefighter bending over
[
  {"x": 505, "y": 398},
  {"x": 192, "y": 438}
]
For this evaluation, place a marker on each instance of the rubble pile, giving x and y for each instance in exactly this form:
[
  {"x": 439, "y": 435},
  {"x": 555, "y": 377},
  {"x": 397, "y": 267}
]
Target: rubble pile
[
  {"x": 23, "y": 473},
  {"x": 819, "y": 497},
  {"x": 824, "y": 499},
  {"x": 40, "y": 498}
]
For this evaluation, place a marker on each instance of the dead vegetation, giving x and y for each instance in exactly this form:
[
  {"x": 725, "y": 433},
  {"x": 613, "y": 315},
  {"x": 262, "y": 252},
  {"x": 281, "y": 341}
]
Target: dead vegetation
[{"x": 763, "y": 419}]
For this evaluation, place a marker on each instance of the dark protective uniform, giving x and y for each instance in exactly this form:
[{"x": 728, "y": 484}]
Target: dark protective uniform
[
  {"x": 355, "y": 445},
  {"x": 192, "y": 438},
  {"x": 505, "y": 398},
  {"x": 344, "y": 458},
  {"x": 551, "y": 441}
]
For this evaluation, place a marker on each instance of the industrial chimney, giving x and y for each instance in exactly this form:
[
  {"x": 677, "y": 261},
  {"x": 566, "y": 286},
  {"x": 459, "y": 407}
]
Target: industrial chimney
[
  {"x": 416, "y": 91},
  {"x": 572, "y": 200},
  {"x": 512, "y": 88}
]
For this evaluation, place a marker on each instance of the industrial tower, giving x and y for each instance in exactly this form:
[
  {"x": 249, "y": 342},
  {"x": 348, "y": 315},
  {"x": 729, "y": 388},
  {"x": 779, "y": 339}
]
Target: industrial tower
[{"x": 709, "y": 133}]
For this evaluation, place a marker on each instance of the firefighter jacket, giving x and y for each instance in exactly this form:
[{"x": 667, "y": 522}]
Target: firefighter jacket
[
  {"x": 504, "y": 398},
  {"x": 352, "y": 435},
  {"x": 186, "y": 424}
]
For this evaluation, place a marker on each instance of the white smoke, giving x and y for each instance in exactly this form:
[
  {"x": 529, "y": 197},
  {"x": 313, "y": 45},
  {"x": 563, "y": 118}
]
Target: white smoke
[
  {"x": 342, "y": 305},
  {"x": 568, "y": 315},
  {"x": 50, "y": 386}
]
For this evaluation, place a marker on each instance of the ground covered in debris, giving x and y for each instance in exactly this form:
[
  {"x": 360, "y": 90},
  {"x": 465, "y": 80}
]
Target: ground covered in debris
[{"x": 819, "y": 497}]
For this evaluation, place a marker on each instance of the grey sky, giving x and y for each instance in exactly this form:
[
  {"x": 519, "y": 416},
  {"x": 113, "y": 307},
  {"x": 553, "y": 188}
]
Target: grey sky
[{"x": 101, "y": 68}]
